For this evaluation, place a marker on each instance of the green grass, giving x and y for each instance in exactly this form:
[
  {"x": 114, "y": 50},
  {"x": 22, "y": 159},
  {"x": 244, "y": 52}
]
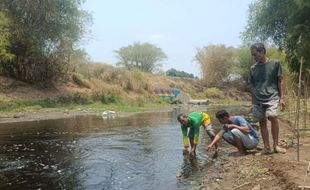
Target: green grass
[
  {"x": 226, "y": 101},
  {"x": 98, "y": 106},
  {"x": 24, "y": 106}
]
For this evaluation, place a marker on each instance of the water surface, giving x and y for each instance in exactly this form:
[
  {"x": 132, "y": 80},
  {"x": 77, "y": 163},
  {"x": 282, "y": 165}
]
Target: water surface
[{"x": 143, "y": 151}]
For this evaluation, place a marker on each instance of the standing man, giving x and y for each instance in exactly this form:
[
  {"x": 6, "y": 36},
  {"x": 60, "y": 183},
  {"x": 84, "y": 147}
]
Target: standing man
[
  {"x": 190, "y": 126},
  {"x": 266, "y": 78}
]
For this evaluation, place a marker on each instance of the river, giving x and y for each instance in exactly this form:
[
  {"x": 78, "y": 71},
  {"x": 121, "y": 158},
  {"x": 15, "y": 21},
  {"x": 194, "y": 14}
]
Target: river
[{"x": 143, "y": 151}]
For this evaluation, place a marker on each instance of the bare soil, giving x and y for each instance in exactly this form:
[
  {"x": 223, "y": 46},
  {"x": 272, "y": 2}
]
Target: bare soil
[{"x": 274, "y": 172}]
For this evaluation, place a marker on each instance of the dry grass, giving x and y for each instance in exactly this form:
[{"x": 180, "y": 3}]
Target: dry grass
[{"x": 94, "y": 82}]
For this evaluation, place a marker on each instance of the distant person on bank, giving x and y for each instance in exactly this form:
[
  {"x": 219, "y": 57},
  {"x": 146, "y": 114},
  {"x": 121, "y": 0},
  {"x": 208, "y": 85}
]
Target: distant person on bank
[
  {"x": 190, "y": 126},
  {"x": 236, "y": 131},
  {"x": 267, "y": 95}
]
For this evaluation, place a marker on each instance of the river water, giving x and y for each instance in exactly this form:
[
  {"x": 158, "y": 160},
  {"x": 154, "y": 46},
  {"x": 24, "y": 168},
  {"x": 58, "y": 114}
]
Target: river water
[{"x": 143, "y": 151}]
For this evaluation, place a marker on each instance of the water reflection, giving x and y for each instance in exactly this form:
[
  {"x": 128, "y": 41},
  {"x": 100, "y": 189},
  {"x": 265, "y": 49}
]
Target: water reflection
[
  {"x": 189, "y": 167},
  {"x": 143, "y": 151},
  {"x": 138, "y": 152}
]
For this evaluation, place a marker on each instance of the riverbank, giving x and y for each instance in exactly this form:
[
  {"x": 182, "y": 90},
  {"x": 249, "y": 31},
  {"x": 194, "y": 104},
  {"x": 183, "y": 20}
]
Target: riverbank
[
  {"x": 268, "y": 172},
  {"x": 59, "y": 113}
]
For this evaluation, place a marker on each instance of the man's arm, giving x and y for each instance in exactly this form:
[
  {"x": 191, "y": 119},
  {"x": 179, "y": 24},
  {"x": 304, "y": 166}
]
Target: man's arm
[
  {"x": 239, "y": 123},
  {"x": 281, "y": 91},
  {"x": 216, "y": 139},
  {"x": 196, "y": 134},
  {"x": 185, "y": 138},
  {"x": 241, "y": 128}
]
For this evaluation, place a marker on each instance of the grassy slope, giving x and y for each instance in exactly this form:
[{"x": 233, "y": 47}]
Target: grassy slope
[
  {"x": 113, "y": 88},
  {"x": 100, "y": 87}
]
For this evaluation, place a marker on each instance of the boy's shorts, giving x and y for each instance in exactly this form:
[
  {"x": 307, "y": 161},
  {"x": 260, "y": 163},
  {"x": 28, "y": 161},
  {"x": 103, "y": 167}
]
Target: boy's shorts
[
  {"x": 264, "y": 110},
  {"x": 249, "y": 142}
]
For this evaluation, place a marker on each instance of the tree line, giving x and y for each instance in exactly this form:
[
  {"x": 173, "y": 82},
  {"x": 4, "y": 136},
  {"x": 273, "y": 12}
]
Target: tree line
[
  {"x": 39, "y": 41},
  {"x": 39, "y": 38}
]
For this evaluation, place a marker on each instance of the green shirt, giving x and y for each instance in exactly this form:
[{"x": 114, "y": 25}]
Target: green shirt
[
  {"x": 265, "y": 81},
  {"x": 195, "y": 121}
]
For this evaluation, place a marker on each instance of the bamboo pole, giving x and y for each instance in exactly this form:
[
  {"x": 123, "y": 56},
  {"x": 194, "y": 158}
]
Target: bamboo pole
[
  {"x": 304, "y": 101},
  {"x": 298, "y": 105},
  {"x": 306, "y": 119}
]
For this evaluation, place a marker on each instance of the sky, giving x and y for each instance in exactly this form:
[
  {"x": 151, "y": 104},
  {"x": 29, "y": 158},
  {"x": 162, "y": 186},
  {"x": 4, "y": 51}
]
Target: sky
[{"x": 178, "y": 27}]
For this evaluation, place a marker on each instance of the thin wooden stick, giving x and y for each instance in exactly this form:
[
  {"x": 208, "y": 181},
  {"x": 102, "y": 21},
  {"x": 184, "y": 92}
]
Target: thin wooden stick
[{"x": 298, "y": 105}]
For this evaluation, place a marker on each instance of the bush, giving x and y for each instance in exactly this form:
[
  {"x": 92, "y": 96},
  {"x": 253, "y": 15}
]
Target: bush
[
  {"x": 110, "y": 97},
  {"x": 214, "y": 93},
  {"x": 78, "y": 79},
  {"x": 80, "y": 98}
]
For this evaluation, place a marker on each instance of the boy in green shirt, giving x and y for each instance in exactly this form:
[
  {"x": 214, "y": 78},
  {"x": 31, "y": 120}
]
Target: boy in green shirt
[{"x": 190, "y": 125}]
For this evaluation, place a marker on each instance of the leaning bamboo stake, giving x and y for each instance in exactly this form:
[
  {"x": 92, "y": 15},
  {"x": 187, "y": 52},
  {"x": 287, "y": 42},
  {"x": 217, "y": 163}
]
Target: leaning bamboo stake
[
  {"x": 298, "y": 105},
  {"x": 306, "y": 100}
]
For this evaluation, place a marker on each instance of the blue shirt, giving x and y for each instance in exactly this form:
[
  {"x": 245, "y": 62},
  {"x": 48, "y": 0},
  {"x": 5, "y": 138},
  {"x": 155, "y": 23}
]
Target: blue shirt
[{"x": 240, "y": 121}]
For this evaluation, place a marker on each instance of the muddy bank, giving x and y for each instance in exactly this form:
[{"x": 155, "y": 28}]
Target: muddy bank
[
  {"x": 56, "y": 113},
  {"x": 274, "y": 172}
]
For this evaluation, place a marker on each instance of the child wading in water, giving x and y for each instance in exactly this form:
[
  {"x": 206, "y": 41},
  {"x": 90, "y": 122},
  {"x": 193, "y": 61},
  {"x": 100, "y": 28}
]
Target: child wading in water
[{"x": 190, "y": 126}]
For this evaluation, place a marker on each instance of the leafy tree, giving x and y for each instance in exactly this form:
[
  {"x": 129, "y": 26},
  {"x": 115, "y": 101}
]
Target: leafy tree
[
  {"x": 286, "y": 23},
  {"x": 244, "y": 61},
  {"x": 44, "y": 34},
  {"x": 4, "y": 39},
  {"x": 78, "y": 60},
  {"x": 175, "y": 73},
  {"x": 145, "y": 57},
  {"x": 216, "y": 62}
]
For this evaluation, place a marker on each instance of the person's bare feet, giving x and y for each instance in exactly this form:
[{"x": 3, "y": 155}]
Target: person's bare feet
[
  {"x": 278, "y": 149},
  {"x": 264, "y": 152}
]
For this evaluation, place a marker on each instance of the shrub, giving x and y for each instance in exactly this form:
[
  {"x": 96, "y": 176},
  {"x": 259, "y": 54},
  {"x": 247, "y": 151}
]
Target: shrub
[
  {"x": 80, "y": 98},
  {"x": 214, "y": 93},
  {"x": 78, "y": 79},
  {"x": 110, "y": 97}
]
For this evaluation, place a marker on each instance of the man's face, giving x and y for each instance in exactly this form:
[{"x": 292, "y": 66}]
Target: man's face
[
  {"x": 224, "y": 120},
  {"x": 258, "y": 56},
  {"x": 184, "y": 120}
]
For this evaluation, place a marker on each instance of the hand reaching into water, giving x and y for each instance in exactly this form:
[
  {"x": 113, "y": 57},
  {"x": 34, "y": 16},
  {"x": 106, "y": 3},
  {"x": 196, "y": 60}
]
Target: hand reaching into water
[
  {"x": 209, "y": 147},
  {"x": 192, "y": 152},
  {"x": 185, "y": 152}
]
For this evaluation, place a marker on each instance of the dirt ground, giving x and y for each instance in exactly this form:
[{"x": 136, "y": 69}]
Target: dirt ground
[{"x": 274, "y": 172}]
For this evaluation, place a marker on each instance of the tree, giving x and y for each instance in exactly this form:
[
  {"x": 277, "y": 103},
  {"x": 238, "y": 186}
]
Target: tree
[
  {"x": 288, "y": 27},
  {"x": 4, "y": 39},
  {"x": 216, "y": 62},
  {"x": 44, "y": 34},
  {"x": 175, "y": 73},
  {"x": 145, "y": 57},
  {"x": 244, "y": 61}
]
